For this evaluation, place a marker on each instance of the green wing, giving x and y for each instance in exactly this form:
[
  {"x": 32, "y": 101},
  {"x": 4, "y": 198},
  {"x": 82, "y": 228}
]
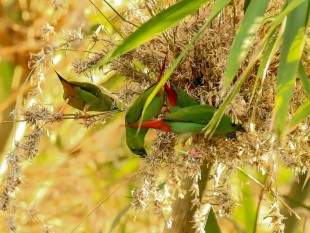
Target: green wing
[
  {"x": 134, "y": 112},
  {"x": 184, "y": 99},
  {"x": 200, "y": 114},
  {"x": 135, "y": 136},
  {"x": 88, "y": 87}
]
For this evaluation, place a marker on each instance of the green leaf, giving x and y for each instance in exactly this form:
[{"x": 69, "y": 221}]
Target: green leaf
[
  {"x": 246, "y": 4},
  {"x": 212, "y": 224},
  {"x": 293, "y": 43},
  {"x": 268, "y": 55},
  {"x": 211, "y": 127},
  {"x": 244, "y": 38},
  {"x": 118, "y": 217},
  {"x": 300, "y": 115},
  {"x": 156, "y": 25},
  {"x": 248, "y": 203},
  {"x": 304, "y": 79},
  {"x": 263, "y": 67},
  {"x": 217, "y": 8}
]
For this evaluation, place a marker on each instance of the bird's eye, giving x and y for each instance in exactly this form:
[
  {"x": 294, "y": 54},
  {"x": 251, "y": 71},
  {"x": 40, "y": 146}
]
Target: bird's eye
[{"x": 233, "y": 124}]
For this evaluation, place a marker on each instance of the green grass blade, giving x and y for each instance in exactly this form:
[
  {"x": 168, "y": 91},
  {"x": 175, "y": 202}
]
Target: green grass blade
[
  {"x": 280, "y": 17},
  {"x": 155, "y": 26},
  {"x": 243, "y": 40},
  {"x": 293, "y": 43},
  {"x": 246, "y": 4},
  {"x": 212, "y": 224},
  {"x": 211, "y": 127},
  {"x": 263, "y": 66},
  {"x": 118, "y": 217},
  {"x": 119, "y": 15},
  {"x": 249, "y": 210},
  {"x": 217, "y": 8},
  {"x": 272, "y": 47},
  {"x": 300, "y": 115},
  {"x": 304, "y": 79},
  {"x": 107, "y": 19}
]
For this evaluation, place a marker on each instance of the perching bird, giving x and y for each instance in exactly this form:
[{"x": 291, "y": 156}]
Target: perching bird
[
  {"x": 85, "y": 96},
  {"x": 135, "y": 136},
  {"x": 192, "y": 120}
]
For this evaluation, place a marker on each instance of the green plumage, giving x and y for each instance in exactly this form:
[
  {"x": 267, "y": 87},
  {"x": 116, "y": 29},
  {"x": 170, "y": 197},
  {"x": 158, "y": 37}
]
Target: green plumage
[
  {"x": 85, "y": 96},
  {"x": 135, "y": 136},
  {"x": 178, "y": 98},
  {"x": 194, "y": 119},
  {"x": 134, "y": 113},
  {"x": 191, "y": 120}
]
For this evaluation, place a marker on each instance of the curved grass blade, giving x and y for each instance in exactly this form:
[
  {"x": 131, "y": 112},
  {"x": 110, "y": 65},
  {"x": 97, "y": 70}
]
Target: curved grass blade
[
  {"x": 243, "y": 40},
  {"x": 218, "y": 7},
  {"x": 119, "y": 15},
  {"x": 300, "y": 115},
  {"x": 156, "y": 25},
  {"x": 269, "y": 53},
  {"x": 263, "y": 67},
  {"x": 245, "y": 5},
  {"x": 293, "y": 43},
  {"x": 248, "y": 201},
  {"x": 212, "y": 125},
  {"x": 304, "y": 79},
  {"x": 117, "y": 219},
  {"x": 107, "y": 19}
]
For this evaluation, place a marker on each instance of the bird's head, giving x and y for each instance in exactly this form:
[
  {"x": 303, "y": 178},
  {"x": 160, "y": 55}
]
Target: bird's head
[{"x": 140, "y": 151}]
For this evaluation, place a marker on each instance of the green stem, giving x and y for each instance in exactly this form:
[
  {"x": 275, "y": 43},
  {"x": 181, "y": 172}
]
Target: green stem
[
  {"x": 106, "y": 18},
  {"x": 116, "y": 12}
]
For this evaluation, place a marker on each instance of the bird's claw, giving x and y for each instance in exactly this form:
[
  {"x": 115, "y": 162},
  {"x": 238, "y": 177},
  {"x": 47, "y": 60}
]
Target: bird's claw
[
  {"x": 194, "y": 153},
  {"x": 59, "y": 116},
  {"x": 86, "y": 117}
]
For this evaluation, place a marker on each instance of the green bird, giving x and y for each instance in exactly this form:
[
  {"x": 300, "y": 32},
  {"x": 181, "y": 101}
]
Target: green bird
[
  {"x": 85, "y": 96},
  {"x": 177, "y": 98},
  {"x": 192, "y": 120},
  {"x": 135, "y": 136}
]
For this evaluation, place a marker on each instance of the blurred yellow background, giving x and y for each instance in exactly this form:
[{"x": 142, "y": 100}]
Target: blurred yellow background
[{"x": 77, "y": 169}]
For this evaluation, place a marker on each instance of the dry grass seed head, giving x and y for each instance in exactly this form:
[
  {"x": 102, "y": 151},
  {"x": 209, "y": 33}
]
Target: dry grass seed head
[
  {"x": 276, "y": 218},
  {"x": 163, "y": 146},
  {"x": 36, "y": 114},
  {"x": 222, "y": 201}
]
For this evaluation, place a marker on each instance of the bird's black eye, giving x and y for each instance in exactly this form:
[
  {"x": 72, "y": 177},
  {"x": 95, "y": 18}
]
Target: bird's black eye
[
  {"x": 233, "y": 124},
  {"x": 232, "y": 135}
]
